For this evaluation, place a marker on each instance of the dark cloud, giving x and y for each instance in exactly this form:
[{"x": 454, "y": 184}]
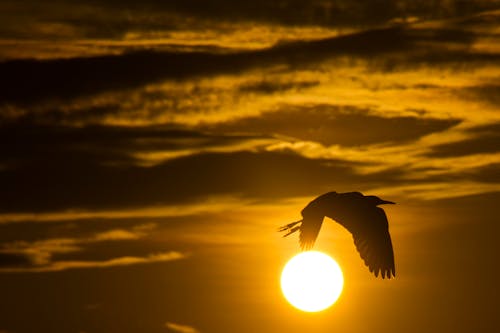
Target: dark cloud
[
  {"x": 489, "y": 129},
  {"x": 483, "y": 139},
  {"x": 487, "y": 174},
  {"x": 48, "y": 145},
  {"x": 31, "y": 80},
  {"x": 477, "y": 207},
  {"x": 335, "y": 125},
  {"x": 486, "y": 93},
  {"x": 26, "y": 81},
  {"x": 112, "y": 19},
  {"x": 479, "y": 145},
  {"x": 13, "y": 260},
  {"x": 31, "y": 231},
  {"x": 76, "y": 184},
  {"x": 72, "y": 227},
  {"x": 50, "y": 168},
  {"x": 269, "y": 87},
  {"x": 451, "y": 59}
]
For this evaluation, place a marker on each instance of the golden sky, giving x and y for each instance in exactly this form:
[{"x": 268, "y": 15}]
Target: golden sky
[{"x": 150, "y": 151}]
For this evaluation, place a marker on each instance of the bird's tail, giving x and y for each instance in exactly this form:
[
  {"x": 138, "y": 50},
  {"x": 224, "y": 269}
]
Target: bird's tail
[{"x": 290, "y": 228}]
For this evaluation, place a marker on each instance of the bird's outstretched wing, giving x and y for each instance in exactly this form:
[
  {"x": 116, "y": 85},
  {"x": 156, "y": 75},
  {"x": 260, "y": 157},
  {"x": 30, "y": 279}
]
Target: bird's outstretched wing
[
  {"x": 374, "y": 244},
  {"x": 360, "y": 215},
  {"x": 309, "y": 230}
]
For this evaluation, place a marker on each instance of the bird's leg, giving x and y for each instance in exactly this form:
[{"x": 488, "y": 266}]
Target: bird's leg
[
  {"x": 289, "y": 226},
  {"x": 291, "y": 231}
]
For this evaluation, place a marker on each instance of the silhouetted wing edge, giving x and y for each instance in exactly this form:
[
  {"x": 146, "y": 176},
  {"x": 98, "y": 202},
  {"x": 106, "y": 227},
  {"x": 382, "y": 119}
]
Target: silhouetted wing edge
[
  {"x": 377, "y": 253},
  {"x": 309, "y": 230},
  {"x": 374, "y": 245}
]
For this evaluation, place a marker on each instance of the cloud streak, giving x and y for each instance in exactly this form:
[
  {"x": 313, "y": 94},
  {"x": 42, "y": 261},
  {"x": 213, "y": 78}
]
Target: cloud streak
[
  {"x": 331, "y": 124},
  {"x": 84, "y": 19},
  {"x": 180, "y": 328},
  {"x": 32, "y": 81},
  {"x": 62, "y": 265},
  {"x": 39, "y": 254}
]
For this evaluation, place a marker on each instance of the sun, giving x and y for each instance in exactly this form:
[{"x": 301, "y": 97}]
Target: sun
[{"x": 312, "y": 281}]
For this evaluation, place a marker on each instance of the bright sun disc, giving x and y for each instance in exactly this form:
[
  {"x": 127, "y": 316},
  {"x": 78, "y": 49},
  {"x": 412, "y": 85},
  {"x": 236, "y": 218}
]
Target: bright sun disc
[{"x": 312, "y": 281}]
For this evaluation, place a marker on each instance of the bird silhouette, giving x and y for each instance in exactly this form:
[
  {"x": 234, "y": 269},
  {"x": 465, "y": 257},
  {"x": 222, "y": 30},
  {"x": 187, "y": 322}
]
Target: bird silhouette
[{"x": 360, "y": 215}]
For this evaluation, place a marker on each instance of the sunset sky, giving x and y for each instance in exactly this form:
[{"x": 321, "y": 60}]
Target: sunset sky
[{"x": 150, "y": 151}]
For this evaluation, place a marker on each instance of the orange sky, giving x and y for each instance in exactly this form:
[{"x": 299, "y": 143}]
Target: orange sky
[{"x": 150, "y": 152}]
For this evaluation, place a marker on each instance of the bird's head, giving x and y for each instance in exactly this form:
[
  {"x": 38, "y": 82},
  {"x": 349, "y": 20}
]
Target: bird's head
[{"x": 377, "y": 201}]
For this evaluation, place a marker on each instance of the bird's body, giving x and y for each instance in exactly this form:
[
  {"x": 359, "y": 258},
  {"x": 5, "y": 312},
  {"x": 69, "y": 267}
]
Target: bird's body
[{"x": 360, "y": 215}]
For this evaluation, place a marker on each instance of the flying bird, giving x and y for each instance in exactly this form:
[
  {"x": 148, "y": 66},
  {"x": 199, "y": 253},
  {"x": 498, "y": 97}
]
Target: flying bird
[{"x": 360, "y": 215}]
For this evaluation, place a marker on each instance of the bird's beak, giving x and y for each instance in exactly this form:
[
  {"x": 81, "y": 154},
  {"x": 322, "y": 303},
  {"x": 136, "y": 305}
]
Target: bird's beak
[{"x": 385, "y": 202}]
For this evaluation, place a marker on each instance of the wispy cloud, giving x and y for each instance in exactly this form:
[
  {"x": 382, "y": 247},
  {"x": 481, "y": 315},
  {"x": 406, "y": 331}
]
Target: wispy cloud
[
  {"x": 438, "y": 190},
  {"x": 115, "y": 262},
  {"x": 89, "y": 19},
  {"x": 39, "y": 254},
  {"x": 209, "y": 204},
  {"x": 401, "y": 47},
  {"x": 336, "y": 124},
  {"x": 180, "y": 328}
]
